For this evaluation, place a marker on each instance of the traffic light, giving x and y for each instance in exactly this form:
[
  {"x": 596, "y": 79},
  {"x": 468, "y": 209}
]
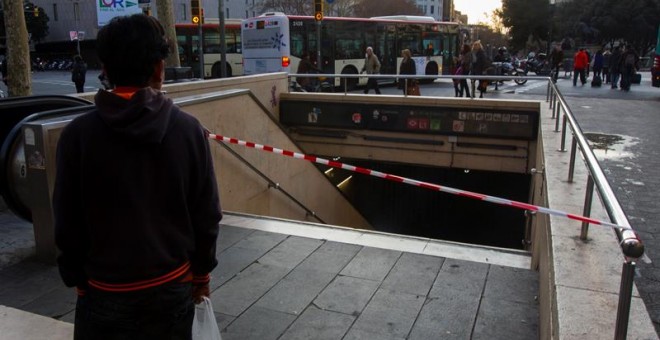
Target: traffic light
[
  {"x": 197, "y": 12},
  {"x": 318, "y": 10}
]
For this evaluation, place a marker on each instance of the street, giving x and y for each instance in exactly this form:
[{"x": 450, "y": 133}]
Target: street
[{"x": 630, "y": 158}]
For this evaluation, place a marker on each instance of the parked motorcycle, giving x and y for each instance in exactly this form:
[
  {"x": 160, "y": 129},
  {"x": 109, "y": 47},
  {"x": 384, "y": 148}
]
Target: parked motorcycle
[
  {"x": 508, "y": 68},
  {"x": 537, "y": 63}
]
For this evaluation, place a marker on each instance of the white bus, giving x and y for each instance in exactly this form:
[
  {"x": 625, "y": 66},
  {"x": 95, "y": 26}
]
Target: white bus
[
  {"x": 187, "y": 36},
  {"x": 275, "y": 42}
]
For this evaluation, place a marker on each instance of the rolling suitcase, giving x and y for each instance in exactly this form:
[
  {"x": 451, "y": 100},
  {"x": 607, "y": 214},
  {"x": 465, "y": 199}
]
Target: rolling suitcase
[
  {"x": 636, "y": 78},
  {"x": 596, "y": 82}
]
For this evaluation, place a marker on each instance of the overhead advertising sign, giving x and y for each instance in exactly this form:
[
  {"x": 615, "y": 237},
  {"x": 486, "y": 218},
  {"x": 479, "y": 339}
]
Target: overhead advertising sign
[{"x": 108, "y": 9}]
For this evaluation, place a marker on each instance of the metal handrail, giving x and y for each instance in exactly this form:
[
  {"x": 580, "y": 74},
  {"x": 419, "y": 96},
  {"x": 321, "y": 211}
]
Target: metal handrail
[
  {"x": 271, "y": 183},
  {"x": 631, "y": 246}
]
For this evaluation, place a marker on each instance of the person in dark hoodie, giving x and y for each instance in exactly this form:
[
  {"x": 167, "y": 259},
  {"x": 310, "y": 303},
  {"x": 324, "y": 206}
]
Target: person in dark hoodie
[{"x": 136, "y": 203}]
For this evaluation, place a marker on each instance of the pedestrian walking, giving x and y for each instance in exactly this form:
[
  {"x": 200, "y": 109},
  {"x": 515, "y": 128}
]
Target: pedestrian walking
[
  {"x": 479, "y": 66},
  {"x": 136, "y": 204},
  {"x": 598, "y": 64},
  {"x": 580, "y": 63},
  {"x": 78, "y": 73},
  {"x": 371, "y": 66},
  {"x": 407, "y": 67},
  {"x": 556, "y": 61},
  {"x": 629, "y": 65},
  {"x": 615, "y": 67},
  {"x": 607, "y": 56},
  {"x": 466, "y": 66}
]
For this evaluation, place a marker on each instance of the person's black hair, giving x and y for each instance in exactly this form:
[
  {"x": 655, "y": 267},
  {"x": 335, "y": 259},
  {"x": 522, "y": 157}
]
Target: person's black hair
[
  {"x": 129, "y": 48},
  {"x": 77, "y": 58}
]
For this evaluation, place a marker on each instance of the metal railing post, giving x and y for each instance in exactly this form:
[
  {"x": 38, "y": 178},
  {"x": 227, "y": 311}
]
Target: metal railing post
[
  {"x": 571, "y": 165},
  {"x": 625, "y": 297},
  {"x": 547, "y": 95},
  {"x": 563, "y": 136},
  {"x": 588, "y": 198}
]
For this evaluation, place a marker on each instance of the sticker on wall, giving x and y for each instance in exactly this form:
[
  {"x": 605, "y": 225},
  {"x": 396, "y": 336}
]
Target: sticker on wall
[
  {"x": 29, "y": 136},
  {"x": 36, "y": 160}
]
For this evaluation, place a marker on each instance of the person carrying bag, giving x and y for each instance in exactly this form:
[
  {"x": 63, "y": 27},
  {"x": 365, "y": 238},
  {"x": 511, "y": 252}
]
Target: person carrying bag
[{"x": 409, "y": 85}]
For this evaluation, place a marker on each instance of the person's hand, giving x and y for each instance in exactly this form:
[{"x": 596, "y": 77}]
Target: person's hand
[{"x": 199, "y": 292}]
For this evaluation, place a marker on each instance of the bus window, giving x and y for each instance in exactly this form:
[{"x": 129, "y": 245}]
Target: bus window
[
  {"x": 431, "y": 41},
  {"x": 409, "y": 38}
]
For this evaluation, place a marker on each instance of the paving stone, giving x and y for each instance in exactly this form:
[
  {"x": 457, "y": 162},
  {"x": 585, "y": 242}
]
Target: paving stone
[
  {"x": 359, "y": 334},
  {"x": 229, "y": 236},
  {"x": 390, "y": 313},
  {"x": 243, "y": 253},
  {"x": 297, "y": 290},
  {"x": 413, "y": 274},
  {"x": 372, "y": 263},
  {"x": 469, "y": 277},
  {"x": 512, "y": 284},
  {"x": 235, "y": 296},
  {"x": 448, "y": 316},
  {"x": 331, "y": 257},
  {"x": 319, "y": 325},
  {"x": 290, "y": 252},
  {"x": 231, "y": 262},
  {"x": 346, "y": 294},
  {"x": 223, "y": 320},
  {"x": 501, "y": 319},
  {"x": 54, "y": 303},
  {"x": 259, "y": 324}
]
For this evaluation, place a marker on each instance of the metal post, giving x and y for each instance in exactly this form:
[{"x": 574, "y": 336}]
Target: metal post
[
  {"x": 319, "y": 61},
  {"x": 547, "y": 94},
  {"x": 571, "y": 166},
  {"x": 625, "y": 297},
  {"x": 223, "y": 42},
  {"x": 200, "y": 49},
  {"x": 588, "y": 198},
  {"x": 563, "y": 135},
  {"x": 557, "y": 122}
]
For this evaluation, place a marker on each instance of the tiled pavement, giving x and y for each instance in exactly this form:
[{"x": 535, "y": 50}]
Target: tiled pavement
[{"x": 278, "y": 286}]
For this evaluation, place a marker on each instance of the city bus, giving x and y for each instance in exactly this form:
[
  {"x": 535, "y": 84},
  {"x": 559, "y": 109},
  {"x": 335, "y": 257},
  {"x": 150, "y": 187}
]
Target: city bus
[
  {"x": 187, "y": 36},
  {"x": 275, "y": 42}
]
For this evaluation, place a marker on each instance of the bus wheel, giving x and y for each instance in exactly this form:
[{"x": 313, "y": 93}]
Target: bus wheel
[
  {"x": 349, "y": 84},
  {"x": 217, "y": 73},
  {"x": 431, "y": 70}
]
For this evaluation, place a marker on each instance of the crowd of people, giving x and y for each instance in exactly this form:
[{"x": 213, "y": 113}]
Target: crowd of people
[{"x": 618, "y": 67}]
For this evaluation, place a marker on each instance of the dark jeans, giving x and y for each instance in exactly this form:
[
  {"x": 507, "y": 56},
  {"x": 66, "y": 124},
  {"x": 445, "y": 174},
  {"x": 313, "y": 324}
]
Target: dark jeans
[
  {"x": 464, "y": 88},
  {"x": 579, "y": 72},
  {"x": 164, "y": 312},
  {"x": 372, "y": 83},
  {"x": 626, "y": 77},
  {"x": 80, "y": 87}
]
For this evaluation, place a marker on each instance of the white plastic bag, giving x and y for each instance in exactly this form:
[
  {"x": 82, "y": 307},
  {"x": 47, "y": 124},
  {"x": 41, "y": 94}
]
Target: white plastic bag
[{"x": 204, "y": 325}]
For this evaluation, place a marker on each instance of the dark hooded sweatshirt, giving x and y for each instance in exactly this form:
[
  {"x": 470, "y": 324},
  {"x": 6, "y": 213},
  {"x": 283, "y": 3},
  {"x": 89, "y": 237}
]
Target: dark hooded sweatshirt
[{"x": 135, "y": 200}]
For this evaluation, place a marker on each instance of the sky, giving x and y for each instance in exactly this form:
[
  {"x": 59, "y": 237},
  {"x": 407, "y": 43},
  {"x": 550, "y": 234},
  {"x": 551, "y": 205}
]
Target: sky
[{"x": 475, "y": 9}]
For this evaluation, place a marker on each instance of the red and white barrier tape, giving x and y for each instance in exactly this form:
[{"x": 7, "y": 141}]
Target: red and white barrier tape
[{"x": 426, "y": 185}]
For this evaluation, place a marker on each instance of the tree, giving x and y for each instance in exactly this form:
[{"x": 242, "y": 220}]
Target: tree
[
  {"x": 166, "y": 18},
  {"x": 608, "y": 21},
  {"x": 372, "y": 8},
  {"x": 18, "y": 50},
  {"x": 36, "y": 21},
  {"x": 527, "y": 20},
  {"x": 291, "y": 7},
  {"x": 342, "y": 8}
]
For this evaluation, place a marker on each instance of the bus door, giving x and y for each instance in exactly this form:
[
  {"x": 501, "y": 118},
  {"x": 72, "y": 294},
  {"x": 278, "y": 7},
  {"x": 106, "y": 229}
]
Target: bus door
[{"x": 387, "y": 51}]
